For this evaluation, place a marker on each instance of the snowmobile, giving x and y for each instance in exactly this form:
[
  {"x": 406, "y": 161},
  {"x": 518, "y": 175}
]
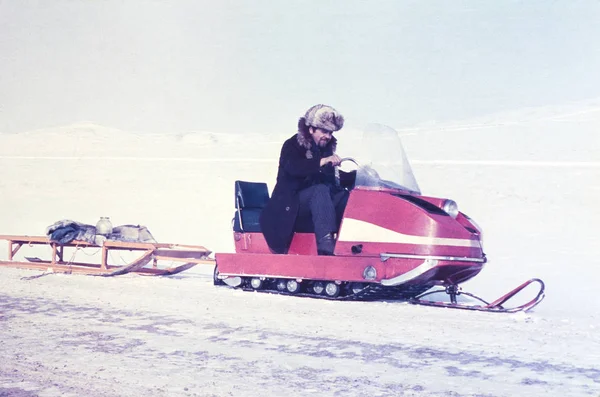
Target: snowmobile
[{"x": 393, "y": 243}]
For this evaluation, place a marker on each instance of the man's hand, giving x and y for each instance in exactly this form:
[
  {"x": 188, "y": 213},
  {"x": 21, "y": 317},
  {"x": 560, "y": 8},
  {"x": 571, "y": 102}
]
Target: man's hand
[{"x": 334, "y": 159}]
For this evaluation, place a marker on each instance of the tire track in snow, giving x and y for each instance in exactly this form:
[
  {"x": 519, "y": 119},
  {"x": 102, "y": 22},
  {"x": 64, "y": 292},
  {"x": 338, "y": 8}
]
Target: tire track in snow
[{"x": 254, "y": 355}]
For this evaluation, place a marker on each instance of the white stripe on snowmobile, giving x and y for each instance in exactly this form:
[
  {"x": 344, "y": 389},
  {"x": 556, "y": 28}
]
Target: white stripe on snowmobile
[
  {"x": 357, "y": 230},
  {"x": 411, "y": 274}
]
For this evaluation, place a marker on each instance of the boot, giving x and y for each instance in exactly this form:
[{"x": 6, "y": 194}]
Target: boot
[{"x": 326, "y": 244}]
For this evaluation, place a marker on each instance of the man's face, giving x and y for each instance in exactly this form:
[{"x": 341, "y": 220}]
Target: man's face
[{"x": 321, "y": 136}]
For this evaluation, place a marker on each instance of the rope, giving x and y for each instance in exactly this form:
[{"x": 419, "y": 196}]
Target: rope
[{"x": 36, "y": 276}]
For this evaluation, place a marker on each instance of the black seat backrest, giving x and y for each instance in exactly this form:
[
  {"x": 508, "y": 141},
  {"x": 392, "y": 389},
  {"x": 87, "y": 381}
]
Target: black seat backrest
[
  {"x": 250, "y": 199},
  {"x": 251, "y": 194}
]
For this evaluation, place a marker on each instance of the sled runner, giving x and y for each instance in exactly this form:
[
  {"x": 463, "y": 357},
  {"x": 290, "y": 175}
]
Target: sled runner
[
  {"x": 393, "y": 242},
  {"x": 151, "y": 261}
]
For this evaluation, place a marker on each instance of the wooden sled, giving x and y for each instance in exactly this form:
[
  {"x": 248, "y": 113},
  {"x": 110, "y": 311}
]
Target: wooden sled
[{"x": 151, "y": 261}]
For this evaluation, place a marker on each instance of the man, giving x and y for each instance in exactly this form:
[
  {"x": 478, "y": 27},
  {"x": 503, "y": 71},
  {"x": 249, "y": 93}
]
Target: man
[{"x": 308, "y": 195}]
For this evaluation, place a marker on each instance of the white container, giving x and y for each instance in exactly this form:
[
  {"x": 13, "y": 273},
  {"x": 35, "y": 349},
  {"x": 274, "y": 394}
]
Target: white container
[{"x": 104, "y": 227}]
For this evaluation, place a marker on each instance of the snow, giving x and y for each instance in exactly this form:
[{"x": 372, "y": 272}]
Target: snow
[{"x": 529, "y": 178}]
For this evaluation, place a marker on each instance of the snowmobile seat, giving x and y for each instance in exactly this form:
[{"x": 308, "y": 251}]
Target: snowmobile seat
[{"x": 250, "y": 199}]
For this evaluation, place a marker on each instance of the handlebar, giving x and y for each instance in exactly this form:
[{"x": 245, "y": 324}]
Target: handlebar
[{"x": 349, "y": 159}]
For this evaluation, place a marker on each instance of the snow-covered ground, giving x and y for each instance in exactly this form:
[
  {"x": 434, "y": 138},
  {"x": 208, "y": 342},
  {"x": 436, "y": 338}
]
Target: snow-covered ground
[{"x": 530, "y": 178}]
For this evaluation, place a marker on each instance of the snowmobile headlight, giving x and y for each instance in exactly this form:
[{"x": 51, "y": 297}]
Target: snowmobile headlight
[
  {"x": 370, "y": 273},
  {"x": 451, "y": 208}
]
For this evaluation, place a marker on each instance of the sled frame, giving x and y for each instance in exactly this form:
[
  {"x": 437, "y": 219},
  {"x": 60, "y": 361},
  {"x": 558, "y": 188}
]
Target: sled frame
[{"x": 149, "y": 262}]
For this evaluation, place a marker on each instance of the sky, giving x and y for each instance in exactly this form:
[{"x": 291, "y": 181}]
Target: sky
[{"x": 257, "y": 65}]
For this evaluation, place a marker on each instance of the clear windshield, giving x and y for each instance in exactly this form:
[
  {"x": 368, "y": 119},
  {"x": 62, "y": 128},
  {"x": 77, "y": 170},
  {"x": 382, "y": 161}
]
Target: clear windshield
[{"x": 380, "y": 159}]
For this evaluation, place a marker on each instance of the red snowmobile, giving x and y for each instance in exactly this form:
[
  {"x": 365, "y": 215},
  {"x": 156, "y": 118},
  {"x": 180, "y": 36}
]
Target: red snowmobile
[{"x": 393, "y": 242}]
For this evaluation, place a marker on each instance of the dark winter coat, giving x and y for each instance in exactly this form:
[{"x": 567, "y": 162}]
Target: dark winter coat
[{"x": 299, "y": 168}]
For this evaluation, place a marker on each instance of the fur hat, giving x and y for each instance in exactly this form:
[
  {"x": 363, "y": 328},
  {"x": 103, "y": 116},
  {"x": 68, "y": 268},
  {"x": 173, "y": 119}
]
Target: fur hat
[{"x": 325, "y": 117}]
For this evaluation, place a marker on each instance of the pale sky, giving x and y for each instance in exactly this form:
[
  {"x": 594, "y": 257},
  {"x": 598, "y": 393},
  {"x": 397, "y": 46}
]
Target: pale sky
[{"x": 257, "y": 65}]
